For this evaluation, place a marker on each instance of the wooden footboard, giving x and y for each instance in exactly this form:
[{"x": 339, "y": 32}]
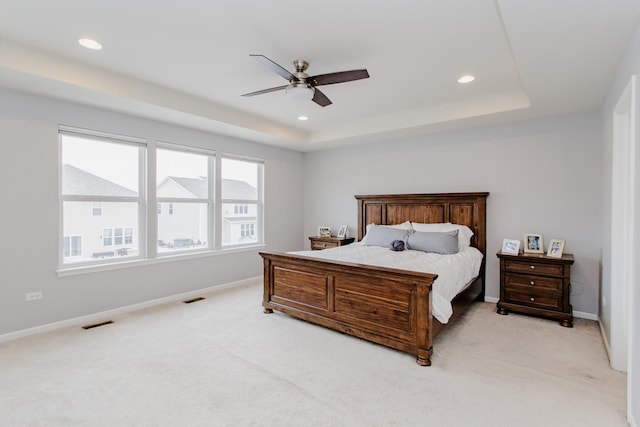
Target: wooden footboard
[{"x": 383, "y": 305}]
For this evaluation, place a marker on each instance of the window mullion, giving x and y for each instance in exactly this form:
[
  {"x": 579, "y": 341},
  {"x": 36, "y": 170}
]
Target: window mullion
[
  {"x": 216, "y": 197},
  {"x": 151, "y": 212}
]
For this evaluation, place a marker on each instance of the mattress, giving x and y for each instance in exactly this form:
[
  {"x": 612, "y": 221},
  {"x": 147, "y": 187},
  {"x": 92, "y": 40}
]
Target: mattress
[{"x": 454, "y": 271}]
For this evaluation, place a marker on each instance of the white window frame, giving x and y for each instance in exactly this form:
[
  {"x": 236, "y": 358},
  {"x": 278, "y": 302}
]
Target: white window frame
[
  {"x": 259, "y": 202},
  {"x": 148, "y": 218},
  {"x": 209, "y": 201},
  {"x": 140, "y": 200}
]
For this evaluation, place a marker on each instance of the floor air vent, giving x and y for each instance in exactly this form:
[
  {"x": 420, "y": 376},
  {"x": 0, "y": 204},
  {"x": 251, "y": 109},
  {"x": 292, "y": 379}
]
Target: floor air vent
[
  {"x": 189, "y": 301},
  {"x": 95, "y": 325}
]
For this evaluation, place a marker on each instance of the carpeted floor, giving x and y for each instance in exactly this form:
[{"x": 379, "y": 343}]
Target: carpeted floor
[{"x": 222, "y": 362}]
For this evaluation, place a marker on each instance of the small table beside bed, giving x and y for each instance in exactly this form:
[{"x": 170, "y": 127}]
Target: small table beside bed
[{"x": 396, "y": 299}]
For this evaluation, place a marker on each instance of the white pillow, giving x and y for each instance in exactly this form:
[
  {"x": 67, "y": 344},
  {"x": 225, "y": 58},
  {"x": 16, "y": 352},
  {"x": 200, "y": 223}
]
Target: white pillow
[
  {"x": 404, "y": 226},
  {"x": 464, "y": 233}
]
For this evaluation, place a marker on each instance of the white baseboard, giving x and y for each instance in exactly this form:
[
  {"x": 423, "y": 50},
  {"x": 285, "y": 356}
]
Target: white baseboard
[
  {"x": 588, "y": 316},
  {"x": 105, "y": 315},
  {"x": 605, "y": 341},
  {"x": 632, "y": 421},
  {"x": 491, "y": 299}
]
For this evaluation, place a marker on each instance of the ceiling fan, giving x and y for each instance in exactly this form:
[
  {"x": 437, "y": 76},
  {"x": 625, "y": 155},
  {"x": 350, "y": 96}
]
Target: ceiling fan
[{"x": 303, "y": 86}]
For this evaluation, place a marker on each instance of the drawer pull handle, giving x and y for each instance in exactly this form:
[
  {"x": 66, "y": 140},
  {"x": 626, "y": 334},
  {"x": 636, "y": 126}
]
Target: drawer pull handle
[
  {"x": 532, "y": 299},
  {"x": 532, "y": 283},
  {"x": 533, "y": 267}
]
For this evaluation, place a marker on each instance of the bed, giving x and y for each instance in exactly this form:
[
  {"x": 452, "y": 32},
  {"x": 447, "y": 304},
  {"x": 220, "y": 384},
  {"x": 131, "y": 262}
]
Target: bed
[{"x": 388, "y": 306}]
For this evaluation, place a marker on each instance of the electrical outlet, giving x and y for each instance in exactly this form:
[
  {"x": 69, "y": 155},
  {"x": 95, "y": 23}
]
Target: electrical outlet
[{"x": 32, "y": 296}]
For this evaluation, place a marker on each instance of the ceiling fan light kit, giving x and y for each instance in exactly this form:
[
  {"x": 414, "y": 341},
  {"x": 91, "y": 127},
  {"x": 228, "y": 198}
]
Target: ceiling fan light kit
[
  {"x": 300, "y": 92},
  {"x": 302, "y": 86}
]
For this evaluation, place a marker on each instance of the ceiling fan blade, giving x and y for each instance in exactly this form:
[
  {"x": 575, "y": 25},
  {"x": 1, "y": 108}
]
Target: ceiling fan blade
[
  {"x": 260, "y": 92},
  {"x": 339, "y": 77},
  {"x": 320, "y": 98},
  {"x": 278, "y": 69}
]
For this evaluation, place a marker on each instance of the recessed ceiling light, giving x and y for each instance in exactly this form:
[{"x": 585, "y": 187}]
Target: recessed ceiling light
[
  {"x": 467, "y": 78},
  {"x": 90, "y": 44},
  {"x": 303, "y": 118}
]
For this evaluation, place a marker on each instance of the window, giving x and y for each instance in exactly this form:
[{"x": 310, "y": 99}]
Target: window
[
  {"x": 241, "y": 201},
  {"x": 183, "y": 187},
  {"x": 96, "y": 209},
  {"x": 201, "y": 201},
  {"x": 72, "y": 246},
  {"x": 240, "y": 209},
  {"x": 247, "y": 230},
  {"x": 128, "y": 236},
  {"x": 107, "y": 237},
  {"x": 100, "y": 184}
]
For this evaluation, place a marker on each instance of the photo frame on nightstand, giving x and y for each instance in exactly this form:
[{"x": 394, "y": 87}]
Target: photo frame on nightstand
[
  {"x": 533, "y": 243},
  {"x": 342, "y": 232},
  {"x": 324, "y": 231},
  {"x": 556, "y": 248},
  {"x": 511, "y": 247}
]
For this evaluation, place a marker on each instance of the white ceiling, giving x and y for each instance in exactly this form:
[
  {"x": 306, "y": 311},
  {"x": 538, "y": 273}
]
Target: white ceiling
[{"x": 188, "y": 62}]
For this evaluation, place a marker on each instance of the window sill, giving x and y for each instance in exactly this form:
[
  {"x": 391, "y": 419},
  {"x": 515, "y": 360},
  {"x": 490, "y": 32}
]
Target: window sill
[{"x": 85, "y": 269}]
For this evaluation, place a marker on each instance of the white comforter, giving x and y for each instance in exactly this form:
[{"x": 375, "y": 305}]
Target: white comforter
[{"x": 454, "y": 271}]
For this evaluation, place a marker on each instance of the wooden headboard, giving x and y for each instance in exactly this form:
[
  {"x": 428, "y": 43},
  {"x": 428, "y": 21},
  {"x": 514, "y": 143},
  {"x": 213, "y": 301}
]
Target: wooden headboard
[{"x": 459, "y": 208}]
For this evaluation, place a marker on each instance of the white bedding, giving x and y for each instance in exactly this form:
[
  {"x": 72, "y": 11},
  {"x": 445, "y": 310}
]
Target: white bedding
[{"x": 454, "y": 271}]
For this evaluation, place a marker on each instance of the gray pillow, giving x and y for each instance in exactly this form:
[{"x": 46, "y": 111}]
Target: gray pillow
[
  {"x": 379, "y": 235},
  {"x": 445, "y": 243}
]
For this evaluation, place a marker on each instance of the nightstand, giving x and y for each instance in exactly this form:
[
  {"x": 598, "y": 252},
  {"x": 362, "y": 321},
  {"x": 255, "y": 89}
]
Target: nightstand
[
  {"x": 318, "y": 242},
  {"x": 536, "y": 284}
]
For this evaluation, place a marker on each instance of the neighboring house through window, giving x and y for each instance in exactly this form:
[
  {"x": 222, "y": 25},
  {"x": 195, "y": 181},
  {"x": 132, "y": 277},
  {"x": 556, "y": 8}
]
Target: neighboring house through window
[
  {"x": 241, "y": 200},
  {"x": 183, "y": 186},
  {"x": 90, "y": 183}
]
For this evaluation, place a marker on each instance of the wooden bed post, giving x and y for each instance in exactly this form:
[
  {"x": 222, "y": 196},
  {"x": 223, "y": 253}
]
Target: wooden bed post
[
  {"x": 267, "y": 285},
  {"x": 424, "y": 324}
]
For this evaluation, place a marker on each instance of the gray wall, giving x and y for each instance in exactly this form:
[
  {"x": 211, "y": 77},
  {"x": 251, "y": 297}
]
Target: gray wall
[
  {"x": 543, "y": 176},
  {"x": 29, "y": 216},
  {"x": 629, "y": 66}
]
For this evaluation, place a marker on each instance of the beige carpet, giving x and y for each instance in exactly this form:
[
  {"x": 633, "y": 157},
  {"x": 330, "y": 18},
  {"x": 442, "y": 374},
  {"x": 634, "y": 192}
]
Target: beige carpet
[{"x": 222, "y": 362}]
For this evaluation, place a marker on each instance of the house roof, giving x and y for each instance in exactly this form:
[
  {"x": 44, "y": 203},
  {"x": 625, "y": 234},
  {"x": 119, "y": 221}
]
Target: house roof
[
  {"x": 231, "y": 188},
  {"x": 78, "y": 182}
]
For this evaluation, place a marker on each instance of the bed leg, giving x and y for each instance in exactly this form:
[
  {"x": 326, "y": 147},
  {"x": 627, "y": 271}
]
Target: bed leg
[
  {"x": 423, "y": 361},
  {"x": 424, "y": 357},
  {"x": 268, "y": 311}
]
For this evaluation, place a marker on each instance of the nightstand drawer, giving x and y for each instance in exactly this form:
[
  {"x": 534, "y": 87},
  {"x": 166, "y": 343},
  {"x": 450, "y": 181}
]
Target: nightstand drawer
[
  {"x": 534, "y": 299},
  {"x": 532, "y": 282},
  {"x": 322, "y": 245},
  {"x": 534, "y": 268},
  {"x": 318, "y": 243}
]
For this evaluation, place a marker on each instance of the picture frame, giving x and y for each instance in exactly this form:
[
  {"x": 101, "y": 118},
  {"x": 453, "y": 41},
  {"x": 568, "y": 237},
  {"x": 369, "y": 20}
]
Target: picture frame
[
  {"x": 556, "y": 248},
  {"x": 324, "y": 231},
  {"x": 342, "y": 232},
  {"x": 533, "y": 243},
  {"x": 511, "y": 247}
]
